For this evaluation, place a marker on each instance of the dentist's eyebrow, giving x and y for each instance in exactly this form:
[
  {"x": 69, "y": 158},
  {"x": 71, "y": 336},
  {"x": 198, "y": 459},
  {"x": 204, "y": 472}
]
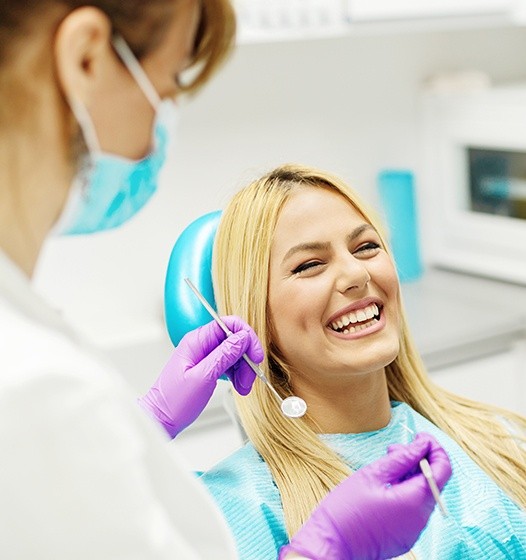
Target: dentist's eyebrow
[{"x": 313, "y": 246}]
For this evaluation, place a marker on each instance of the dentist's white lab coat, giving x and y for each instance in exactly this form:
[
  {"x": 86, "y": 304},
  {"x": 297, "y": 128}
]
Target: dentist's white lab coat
[{"x": 84, "y": 474}]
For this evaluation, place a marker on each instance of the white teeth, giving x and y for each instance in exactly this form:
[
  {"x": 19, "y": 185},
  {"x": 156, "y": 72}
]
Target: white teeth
[
  {"x": 356, "y": 317},
  {"x": 359, "y": 328}
]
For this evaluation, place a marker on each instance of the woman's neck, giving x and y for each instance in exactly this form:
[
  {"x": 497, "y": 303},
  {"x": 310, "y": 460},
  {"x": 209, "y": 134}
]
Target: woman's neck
[{"x": 360, "y": 405}]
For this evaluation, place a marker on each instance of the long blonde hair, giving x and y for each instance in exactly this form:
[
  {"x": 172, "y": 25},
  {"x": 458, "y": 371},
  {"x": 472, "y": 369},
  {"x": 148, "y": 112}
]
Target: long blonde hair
[{"x": 303, "y": 467}]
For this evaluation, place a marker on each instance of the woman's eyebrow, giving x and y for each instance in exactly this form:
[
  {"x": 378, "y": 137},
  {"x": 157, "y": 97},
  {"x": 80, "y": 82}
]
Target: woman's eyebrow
[
  {"x": 305, "y": 247},
  {"x": 313, "y": 246},
  {"x": 359, "y": 230}
]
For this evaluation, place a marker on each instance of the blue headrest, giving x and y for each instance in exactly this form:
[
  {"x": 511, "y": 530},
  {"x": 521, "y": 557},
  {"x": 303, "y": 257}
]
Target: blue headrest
[{"x": 191, "y": 258}]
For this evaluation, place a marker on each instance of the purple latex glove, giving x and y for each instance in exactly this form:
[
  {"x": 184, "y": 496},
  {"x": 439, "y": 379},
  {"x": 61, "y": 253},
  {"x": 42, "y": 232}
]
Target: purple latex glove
[
  {"x": 189, "y": 379},
  {"x": 379, "y": 511}
]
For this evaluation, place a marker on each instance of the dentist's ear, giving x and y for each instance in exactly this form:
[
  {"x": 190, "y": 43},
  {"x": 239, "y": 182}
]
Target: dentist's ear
[{"x": 83, "y": 52}]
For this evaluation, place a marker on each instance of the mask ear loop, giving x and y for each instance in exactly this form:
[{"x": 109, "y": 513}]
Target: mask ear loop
[
  {"x": 80, "y": 187},
  {"x": 86, "y": 125},
  {"x": 136, "y": 70},
  {"x": 134, "y": 67}
]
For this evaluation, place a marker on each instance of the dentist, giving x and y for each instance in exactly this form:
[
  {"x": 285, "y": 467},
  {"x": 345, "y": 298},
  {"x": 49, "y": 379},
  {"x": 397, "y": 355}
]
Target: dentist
[{"x": 87, "y": 96}]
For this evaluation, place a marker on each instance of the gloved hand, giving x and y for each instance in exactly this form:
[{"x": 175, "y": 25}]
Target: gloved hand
[
  {"x": 379, "y": 511},
  {"x": 189, "y": 379}
]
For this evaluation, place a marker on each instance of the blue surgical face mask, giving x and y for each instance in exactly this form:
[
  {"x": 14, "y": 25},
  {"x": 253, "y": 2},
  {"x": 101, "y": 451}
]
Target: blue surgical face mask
[{"x": 109, "y": 189}]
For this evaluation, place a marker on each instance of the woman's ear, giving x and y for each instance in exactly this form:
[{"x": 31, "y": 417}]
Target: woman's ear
[{"x": 82, "y": 51}]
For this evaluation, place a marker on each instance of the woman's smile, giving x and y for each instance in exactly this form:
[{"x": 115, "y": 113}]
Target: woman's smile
[{"x": 358, "y": 319}]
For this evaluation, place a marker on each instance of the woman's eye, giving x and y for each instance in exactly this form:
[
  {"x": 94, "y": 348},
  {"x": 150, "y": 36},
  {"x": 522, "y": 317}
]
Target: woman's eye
[
  {"x": 366, "y": 248},
  {"x": 306, "y": 266}
]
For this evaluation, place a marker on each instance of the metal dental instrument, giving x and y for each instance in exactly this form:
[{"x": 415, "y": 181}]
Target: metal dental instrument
[
  {"x": 293, "y": 407},
  {"x": 425, "y": 467}
]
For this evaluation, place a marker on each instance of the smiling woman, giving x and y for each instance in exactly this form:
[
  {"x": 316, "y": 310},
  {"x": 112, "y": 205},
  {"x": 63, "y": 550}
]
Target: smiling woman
[{"x": 303, "y": 261}]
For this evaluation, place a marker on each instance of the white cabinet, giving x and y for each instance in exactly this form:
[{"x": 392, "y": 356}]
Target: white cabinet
[
  {"x": 278, "y": 20},
  {"x": 498, "y": 379},
  {"x": 375, "y": 10}
]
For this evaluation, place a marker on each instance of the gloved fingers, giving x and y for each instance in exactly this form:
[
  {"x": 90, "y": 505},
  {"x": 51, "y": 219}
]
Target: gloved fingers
[
  {"x": 254, "y": 350},
  {"x": 401, "y": 460},
  {"x": 241, "y": 374},
  {"x": 394, "y": 447},
  {"x": 235, "y": 323},
  {"x": 420, "y": 437},
  {"x": 197, "y": 344},
  {"x": 222, "y": 358},
  {"x": 440, "y": 464},
  {"x": 397, "y": 448},
  {"x": 242, "y": 377}
]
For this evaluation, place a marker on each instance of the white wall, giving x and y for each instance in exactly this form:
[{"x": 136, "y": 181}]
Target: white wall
[{"x": 345, "y": 104}]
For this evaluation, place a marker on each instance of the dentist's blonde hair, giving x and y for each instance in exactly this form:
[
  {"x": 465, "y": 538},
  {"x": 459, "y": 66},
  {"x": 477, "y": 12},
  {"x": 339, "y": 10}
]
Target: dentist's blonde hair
[{"x": 303, "y": 467}]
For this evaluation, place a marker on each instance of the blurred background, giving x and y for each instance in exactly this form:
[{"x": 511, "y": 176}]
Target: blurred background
[{"x": 433, "y": 89}]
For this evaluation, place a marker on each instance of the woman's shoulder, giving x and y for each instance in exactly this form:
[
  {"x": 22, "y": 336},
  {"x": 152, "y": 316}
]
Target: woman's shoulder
[
  {"x": 243, "y": 475},
  {"x": 250, "y": 501},
  {"x": 237, "y": 469}
]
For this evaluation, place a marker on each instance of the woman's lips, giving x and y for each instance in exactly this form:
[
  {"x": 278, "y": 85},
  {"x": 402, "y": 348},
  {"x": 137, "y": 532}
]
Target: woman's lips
[{"x": 360, "y": 329}]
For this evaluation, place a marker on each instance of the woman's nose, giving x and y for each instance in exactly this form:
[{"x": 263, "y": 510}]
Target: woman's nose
[{"x": 352, "y": 274}]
